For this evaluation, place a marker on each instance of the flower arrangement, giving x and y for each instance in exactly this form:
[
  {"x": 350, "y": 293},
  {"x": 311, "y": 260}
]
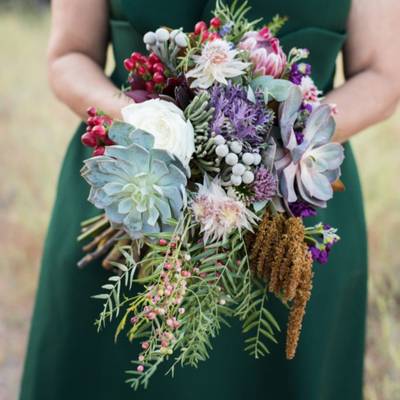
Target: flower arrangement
[{"x": 205, "y": 187}]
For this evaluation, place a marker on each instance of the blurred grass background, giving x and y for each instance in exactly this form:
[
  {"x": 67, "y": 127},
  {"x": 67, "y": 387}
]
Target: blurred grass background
[{"x": 35, "y": 130}]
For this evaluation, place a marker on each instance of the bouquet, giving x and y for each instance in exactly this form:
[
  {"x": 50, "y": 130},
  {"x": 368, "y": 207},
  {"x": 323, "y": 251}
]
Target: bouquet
[{"x": 205, "y": 187}]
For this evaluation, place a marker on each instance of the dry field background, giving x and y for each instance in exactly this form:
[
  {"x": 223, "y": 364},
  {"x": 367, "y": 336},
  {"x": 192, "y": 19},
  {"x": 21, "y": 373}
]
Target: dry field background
[{"x": 35, "y": 130}]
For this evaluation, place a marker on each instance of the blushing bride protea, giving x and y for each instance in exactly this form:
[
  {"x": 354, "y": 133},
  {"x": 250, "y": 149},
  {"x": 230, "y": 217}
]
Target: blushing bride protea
[
  {"x": 216, "y": 63},
  {"x": 218, "y": 214},
  {"x": 265, "y": 52}
]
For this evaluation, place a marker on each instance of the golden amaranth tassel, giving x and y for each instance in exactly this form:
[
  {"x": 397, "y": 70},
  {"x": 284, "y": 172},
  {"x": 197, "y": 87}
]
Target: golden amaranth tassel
[{"x": 281, "y": 258}]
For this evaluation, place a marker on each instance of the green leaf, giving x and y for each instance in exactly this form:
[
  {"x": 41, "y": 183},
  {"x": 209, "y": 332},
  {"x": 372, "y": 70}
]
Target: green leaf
[{"x": 277, "y": 89}]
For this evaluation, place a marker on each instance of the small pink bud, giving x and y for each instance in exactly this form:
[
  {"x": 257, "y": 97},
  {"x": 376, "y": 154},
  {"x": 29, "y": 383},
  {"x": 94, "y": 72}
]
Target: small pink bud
[
  {"x": 168, "y": 266},
  {"x": 162, "y": 242},
  {"x": 140, "y": 368},
  {"x": 145, "y": 345},
  {"x": 151, "y": 315},
  {"x": 164, "y": 343},
  {"x": 170, "y": 322},
  {"x": 181, "y": 310},
  {"x": 141, "y": 357},
  {"x": 177, "y": 324}
]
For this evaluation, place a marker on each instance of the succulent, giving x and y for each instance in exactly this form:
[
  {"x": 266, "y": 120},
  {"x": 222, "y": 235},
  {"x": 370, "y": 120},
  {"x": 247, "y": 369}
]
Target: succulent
[
  {"x": 140, "y": 188},
  {"x": 309, "y": 168}
]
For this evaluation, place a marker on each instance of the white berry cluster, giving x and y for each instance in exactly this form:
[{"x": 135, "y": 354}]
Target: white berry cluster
[
  {"x": 239, "y": 161},
  {"x": 166, "y": 44}
]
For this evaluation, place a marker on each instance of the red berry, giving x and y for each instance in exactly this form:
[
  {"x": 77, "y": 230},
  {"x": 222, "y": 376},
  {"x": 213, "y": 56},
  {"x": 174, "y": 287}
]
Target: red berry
[
  {"x": 128, "y": 64},
  {"x": 141, "y": 70},
  {"x": 153, "y": 58},
  {"x": 200, "y": 27},
  {"x": 91, "y": 111},
  {"x": 99, "y": 131},
  {"x": 158, "y": 67},
  {"x": 213, "y": 36},
  {"x": 215, "y": 22},
  {"x": 107, "y": 120},
  {"x": 158, "y": 78},
  {"x": 99, "y": 151},
  {"x": 88, "y": 139},
  {"x": 149, "y": 86},
  {"x": 205, "y": 35},
  {"x": 135, "y": 57},
  {"x": 91, "y": 121},
  {"x": 107, "y": 141}
]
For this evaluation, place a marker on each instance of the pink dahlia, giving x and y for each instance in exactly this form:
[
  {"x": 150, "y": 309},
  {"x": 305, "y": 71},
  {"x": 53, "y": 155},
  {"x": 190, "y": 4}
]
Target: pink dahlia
[{"x": 265, "y": 51}]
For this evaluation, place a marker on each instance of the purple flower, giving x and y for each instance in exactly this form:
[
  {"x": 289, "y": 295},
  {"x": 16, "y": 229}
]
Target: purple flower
[
  {"x": 321, "y": 256},
  {"x": 264, "y": 185},
  {"x": 299, "y": 137},
  {"x": 307, "y": 107},
  {"x": 237, "y": 117},
  {"x": 225, "y": 29},
  {"x": 298, "y": 71},
  {"x": 302, "y": 209}
]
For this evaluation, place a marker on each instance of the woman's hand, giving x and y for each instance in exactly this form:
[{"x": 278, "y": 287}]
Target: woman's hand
[
  {"x": 77, "y": 54},
  {"x": 371, "y": 61}
]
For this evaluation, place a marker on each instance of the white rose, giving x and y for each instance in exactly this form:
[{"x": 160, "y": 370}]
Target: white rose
[{"x": 166, "y": 122}]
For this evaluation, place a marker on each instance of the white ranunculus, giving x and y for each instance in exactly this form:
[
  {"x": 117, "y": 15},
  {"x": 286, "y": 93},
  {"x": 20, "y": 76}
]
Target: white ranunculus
[{"x": 167, "y": 123}]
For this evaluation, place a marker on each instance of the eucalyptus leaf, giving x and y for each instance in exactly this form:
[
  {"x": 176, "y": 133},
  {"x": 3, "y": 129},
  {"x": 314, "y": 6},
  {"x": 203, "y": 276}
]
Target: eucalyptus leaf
[{"x": 277, "y": 89}]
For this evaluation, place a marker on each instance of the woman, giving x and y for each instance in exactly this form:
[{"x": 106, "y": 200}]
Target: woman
[{"x": 66, "y": 358}]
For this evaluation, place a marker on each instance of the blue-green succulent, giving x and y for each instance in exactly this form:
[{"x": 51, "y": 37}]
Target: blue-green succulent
[{"x": 140, "y": 188}]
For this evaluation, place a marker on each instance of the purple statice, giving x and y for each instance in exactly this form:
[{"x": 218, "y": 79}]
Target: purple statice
[
  {"x": 226, "y": 29},
  {"x": 298, "y": 71},
  {"x": 307, "y": 107},
  {"x": 302, "y": 209},
  {"x": 320, "y": 249},
  {"x": 299, "y": 136},
  {"x": 319, "y": 255},
  {"x": 265, "y": 185},
  {"x": 236, "y": 117}
]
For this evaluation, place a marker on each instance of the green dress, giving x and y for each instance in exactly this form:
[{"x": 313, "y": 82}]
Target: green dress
[{"x": 68, "y": 359}]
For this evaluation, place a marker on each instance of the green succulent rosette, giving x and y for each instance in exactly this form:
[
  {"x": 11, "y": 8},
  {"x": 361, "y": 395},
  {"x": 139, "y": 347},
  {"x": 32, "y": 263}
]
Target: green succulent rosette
[{"x": 140, "y": 188}]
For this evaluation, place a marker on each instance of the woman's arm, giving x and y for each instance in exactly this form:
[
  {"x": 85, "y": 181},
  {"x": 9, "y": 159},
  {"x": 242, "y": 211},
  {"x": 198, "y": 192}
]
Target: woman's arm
[
  {"x": 77, "y": 54},
  {"x": 371, "y": 61}
]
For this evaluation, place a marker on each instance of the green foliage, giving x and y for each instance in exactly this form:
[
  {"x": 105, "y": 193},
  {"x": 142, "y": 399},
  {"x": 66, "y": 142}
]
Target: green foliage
[
  {"x": 259, "y": 322},
  {"x": 219, "y": 287},
  {"x": 235, "y": 15},
  {"x": 111, "y": 297},
  {"x": 200, "y": 115},
  {"x": 277, "y": 89},
  {"x": 277, "y": 24}
]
